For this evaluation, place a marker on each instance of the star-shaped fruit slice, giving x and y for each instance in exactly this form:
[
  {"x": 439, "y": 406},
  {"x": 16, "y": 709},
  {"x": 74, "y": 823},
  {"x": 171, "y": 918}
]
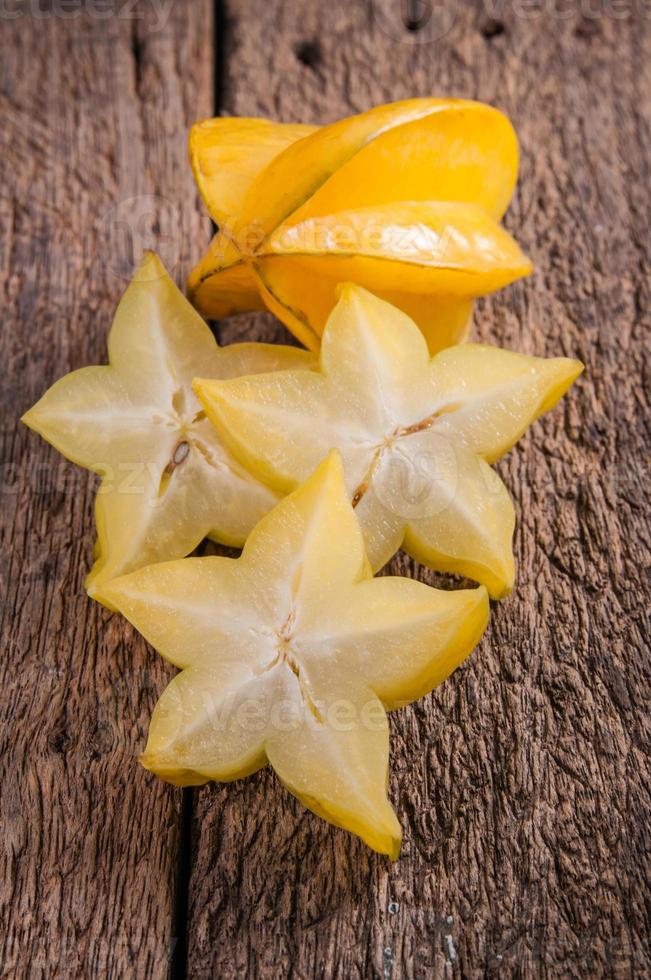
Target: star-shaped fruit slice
[
  {"x": 292, "y": 654},
  {"x": 167, "y": 480},
  {"x": 416, "y": 434}
]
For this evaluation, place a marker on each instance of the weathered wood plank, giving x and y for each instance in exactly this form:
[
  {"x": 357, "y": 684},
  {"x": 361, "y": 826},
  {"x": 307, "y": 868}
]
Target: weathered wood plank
[
  {"x": 93, "y": 147},
  {"x": 523, "y": 783}
]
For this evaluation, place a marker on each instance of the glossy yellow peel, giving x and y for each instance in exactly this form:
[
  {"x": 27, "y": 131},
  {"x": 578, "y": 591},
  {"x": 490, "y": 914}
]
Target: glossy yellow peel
[
  {"x": 404, "y": 199},
  {"x": 416, "y": 433},
  {"x": 167, "y": 480},
  {"x": 292, "y": 654},
  {"x": 228, "y": 155}
]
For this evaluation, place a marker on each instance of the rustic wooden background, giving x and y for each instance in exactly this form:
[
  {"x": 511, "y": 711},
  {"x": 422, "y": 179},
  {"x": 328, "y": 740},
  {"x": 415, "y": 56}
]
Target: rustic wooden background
[{"x": 523, "y": 783}]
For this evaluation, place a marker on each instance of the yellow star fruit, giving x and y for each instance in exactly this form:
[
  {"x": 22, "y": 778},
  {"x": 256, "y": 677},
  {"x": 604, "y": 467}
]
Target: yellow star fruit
[
  {"x": 404, "y": 199},
  {"x": 167, "y": 480},
  {"x": 292, "y": 654},
  {"x": 416, "y": 433}
]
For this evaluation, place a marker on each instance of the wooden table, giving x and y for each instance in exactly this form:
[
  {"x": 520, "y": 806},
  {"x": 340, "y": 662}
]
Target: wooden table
[{"x": 523, "y": 782}]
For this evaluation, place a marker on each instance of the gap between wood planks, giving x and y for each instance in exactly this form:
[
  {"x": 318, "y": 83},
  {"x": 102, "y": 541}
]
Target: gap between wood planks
[{"x": 180, "y": 925}]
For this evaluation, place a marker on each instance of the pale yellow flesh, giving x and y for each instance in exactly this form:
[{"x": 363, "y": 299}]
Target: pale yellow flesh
[
  {"x": 292, "y": 654},
  {"x": 403, "y": 199},
  {"x": 415, "y": 433},
  {"x": 167, "y": 480}
]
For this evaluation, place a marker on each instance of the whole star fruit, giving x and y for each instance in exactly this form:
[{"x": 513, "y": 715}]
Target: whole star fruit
[
  {"x": 292, "y": 654},
  {"x": 167, "y": 480},
  {"x": 416, "y": 433},
  {"x": 404, "y": 199}
]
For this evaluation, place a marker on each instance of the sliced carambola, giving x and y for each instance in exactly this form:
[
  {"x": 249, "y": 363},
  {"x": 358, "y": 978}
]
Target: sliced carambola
[
  {"x": 416, "y": 433},
  {"x": 167, "y": 480},
  {"x": 404, "y": 199},
  {"x": 292, "y": 654}
]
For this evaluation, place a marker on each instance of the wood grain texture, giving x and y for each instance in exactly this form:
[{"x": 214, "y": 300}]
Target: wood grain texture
[
  {"x": 522, "y": 783},
  {"x": 95, "y": 111}
]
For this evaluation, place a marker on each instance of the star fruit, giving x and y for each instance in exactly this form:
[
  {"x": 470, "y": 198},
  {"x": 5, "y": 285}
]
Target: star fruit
[
  {"x": 292, "y": 654},
  {"x": 416, "y": 433},
  {"x": 404, "y": 199},
  {"x": 167, "y": 480}
]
